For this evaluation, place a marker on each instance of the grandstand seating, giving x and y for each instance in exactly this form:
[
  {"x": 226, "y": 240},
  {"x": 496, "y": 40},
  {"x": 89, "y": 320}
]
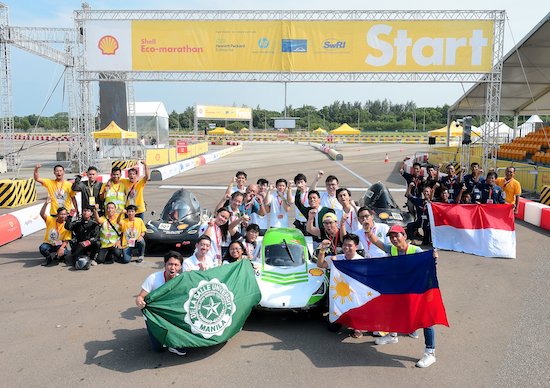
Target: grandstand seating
[{"x": 534, "y": 145}]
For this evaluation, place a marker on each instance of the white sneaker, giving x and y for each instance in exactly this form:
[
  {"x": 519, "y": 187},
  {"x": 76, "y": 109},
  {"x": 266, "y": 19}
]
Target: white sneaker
[
  {"x": 387, "y": 339},
  {"x": 427, "y": 359},
  {"x": 139, "y": 259},
  {"x": 179, "y": 352},
  {"x": 93, "y": 263}
]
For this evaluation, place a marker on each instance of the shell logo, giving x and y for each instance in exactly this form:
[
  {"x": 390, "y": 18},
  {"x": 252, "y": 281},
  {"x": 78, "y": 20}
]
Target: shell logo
[{"x": 108, "y": 45}]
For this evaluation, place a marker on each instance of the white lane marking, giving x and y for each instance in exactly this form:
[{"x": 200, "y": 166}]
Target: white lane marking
[
  {"x": 191, "y": 187},
  {"x": 355, "y": 175}
]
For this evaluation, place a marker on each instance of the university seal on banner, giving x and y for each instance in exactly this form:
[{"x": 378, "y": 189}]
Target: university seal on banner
[{"x": 209, "y": 308}]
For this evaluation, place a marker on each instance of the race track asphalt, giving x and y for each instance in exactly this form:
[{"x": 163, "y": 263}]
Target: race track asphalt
[{"x": 81, "y": 328}]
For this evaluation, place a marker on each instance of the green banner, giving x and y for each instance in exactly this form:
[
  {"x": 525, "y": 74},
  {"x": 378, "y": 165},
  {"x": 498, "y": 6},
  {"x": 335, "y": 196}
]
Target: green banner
[{"x": 202, "y": 308}]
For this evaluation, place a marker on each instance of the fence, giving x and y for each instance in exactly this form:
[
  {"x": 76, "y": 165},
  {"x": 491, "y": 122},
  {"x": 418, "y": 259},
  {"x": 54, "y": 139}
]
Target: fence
[{"x": 531, "y": 177}]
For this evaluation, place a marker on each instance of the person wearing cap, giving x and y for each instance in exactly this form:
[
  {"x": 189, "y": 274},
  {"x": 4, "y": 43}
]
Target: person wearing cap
[
  {"x": 400, "y": 246},
  {"x": 349, "y": 252},
  {"x": 314, "y": 211},
  {"x": 329, "y": 231},
  {"x": 85, "y": 236}
]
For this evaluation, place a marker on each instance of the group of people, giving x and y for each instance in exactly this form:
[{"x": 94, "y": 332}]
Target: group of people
[
  {"x": 340, "y": 229},
  {"x": 471, "y": 188},
  {"x": 107, "y": 227}
]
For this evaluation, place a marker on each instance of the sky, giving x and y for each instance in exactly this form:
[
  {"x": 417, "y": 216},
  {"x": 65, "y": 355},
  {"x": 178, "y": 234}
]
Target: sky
[{"x": 34, "y": 79}]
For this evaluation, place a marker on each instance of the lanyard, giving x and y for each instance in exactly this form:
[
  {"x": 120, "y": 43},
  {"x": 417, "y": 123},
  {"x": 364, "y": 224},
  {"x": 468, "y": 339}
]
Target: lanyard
[
  {"x": 218, "y": 236},
  {"x": 58, "y": 227},
  {"x": 91, "y": 188},
  {"x": 303, "y": 199},
  {"x": 350, "y": 223},
  {"x": 491, "y": 193},
  {"x": 335, "y": 240},
  {"x": 368, "y": 241},
  {"x": 279, "y": 200},
  {"x": 506, "y": 182},
  {"x": 331, "y": 201}
]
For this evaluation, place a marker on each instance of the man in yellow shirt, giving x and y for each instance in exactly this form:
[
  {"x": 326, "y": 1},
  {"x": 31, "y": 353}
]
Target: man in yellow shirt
[
  {"x": 511, "y": 187},
  {"x": 132, "y": 230},
  {"x": 59, "y": 190},
  {"x": 114, "y": 191},
  {"x": 109, "y": 235},
  {"x": 134, "y": 189},
  {"x": 56, "y": 237}
]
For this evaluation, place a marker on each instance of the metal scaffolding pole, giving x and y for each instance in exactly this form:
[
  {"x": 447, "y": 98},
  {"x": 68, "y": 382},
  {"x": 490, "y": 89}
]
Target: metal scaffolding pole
[
  {"x": 492, "y": 99},
  {"x": 84, "y": 153},
  {"x": 6, "y": 106}
]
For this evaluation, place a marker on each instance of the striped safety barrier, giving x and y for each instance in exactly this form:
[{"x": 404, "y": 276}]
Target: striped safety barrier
[
  {"x": 123, "y": 164},
  {"x": 17, "y": 192},
  {"x": 545, "y": 195}
]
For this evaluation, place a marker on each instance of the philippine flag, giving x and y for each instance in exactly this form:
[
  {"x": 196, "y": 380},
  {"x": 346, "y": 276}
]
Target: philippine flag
[
  {"x": 485, "y": 230},
  {"x": 395, "y": 294}
]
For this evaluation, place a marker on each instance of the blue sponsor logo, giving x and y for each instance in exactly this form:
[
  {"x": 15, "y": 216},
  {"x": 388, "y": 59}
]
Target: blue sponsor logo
[
  {"x": 334, "y": 44},
  {"x": 294, "y": 46},
  {"x": 263, "y": 43}
]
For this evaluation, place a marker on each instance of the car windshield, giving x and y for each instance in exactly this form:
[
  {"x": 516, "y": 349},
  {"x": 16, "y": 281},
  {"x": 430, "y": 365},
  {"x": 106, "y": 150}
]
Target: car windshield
[
  {"x": 378, "y": 196},
  {"x": 278, "y": 255},
  {"x": 181, "y": 205}
]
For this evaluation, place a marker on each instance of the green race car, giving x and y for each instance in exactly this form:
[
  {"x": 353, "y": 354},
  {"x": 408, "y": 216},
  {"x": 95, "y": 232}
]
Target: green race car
[{"x": 287, "y": 277}]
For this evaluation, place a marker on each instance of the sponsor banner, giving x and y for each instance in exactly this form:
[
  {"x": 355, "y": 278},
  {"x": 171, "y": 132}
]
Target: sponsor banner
[
  {"x": 294, "y": 46},
  {"x": 222, "y": 112}
]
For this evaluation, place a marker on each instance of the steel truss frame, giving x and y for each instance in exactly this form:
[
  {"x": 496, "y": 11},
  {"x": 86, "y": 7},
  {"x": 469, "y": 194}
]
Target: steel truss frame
[{"x": 83, "y": 124}]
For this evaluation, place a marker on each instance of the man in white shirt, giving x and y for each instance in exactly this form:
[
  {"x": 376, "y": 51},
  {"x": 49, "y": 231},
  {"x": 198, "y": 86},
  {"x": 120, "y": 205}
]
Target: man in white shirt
[
  {"x": 328, "y": 198},
  {"x": 201, "y": 260},
  {"x": 349, "y": 249},
  {"x": 172, "y": 267},
  {"x": 365, "y": 217}
]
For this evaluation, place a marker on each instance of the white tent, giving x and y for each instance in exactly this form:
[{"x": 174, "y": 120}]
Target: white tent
[
  {"x": 505, "y": 133},
  {"x": 152, "y": 123},
  {"x": 531, "y": 125}
]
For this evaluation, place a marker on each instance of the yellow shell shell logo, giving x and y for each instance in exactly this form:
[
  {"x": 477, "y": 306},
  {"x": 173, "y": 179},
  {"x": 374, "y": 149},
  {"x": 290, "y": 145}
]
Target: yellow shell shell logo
[
  {"x": 108, "y": 45},
  {"x": 384, "y": 216},
  {"x": 316, "y": 272}
]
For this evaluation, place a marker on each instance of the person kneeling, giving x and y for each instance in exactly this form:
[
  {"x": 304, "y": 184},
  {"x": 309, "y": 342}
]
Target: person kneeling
[
  {"x": 172, "y": 268},
  {"x": 132, "y": 230},
  {"x": 85, "y": 233}
]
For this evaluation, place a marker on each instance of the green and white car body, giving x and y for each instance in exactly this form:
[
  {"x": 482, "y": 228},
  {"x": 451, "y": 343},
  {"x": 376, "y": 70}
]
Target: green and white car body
[{"x": 287, "y": 278}]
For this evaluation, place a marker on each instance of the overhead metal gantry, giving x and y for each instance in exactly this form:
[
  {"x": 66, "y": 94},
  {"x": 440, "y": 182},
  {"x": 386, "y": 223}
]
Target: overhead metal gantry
[
  {"x": 41, "y": 41},
  {"x": 84, "y": 123}
]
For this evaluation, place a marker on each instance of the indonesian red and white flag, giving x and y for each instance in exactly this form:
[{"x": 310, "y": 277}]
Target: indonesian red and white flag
[{"x": 485, "y": 230}]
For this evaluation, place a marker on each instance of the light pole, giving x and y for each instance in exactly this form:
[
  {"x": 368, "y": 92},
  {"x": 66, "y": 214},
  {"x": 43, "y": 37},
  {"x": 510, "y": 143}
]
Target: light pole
[
  {"x": 324, "y": 122},
  {"x": 424, "y": 121},
  {"x": 308, "y": 121},
  {"x": 358, "y": 117}
]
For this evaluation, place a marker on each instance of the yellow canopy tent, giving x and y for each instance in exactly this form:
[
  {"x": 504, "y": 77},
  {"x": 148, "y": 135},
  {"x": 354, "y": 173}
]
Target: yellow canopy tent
[
  {"x": 320, "y": 131},
  {"x": 220, "y": 131},
  {"x": 456, "y": 131},
  {"x": 345, "y": 129},
  {"x": 244, "y": 130},
  {"x": 113, "y": 131}
]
